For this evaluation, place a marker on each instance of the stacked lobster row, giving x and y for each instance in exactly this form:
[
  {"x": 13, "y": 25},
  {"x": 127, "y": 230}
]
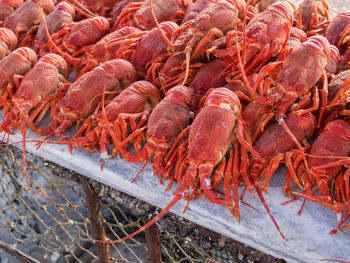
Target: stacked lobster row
[{"x": 214, "y": 92}]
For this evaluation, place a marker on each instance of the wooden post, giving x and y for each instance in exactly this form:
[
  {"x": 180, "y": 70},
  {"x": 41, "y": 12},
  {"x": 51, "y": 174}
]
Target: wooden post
[
  {"x": 98, "y": 230},
  {"x": 153, "y": 244}
]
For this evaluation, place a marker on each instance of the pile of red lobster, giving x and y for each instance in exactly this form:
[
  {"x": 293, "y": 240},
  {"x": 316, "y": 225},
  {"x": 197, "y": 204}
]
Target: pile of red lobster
[{"x": 212, "y": 92}]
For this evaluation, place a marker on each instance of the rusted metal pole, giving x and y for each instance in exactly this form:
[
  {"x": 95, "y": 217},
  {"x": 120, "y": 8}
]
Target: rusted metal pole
[
  {"x": 21, "y": 256},
  {"x": 153, "y": 244},
  {"x": 96, "y": 220}
]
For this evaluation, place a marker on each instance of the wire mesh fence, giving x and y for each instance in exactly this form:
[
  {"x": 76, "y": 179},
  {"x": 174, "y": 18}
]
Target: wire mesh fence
[{"x": 57, "y": 229}]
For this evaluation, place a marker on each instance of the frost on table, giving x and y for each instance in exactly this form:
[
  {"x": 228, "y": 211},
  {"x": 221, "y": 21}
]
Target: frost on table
[{"x": 307, "y": 236}]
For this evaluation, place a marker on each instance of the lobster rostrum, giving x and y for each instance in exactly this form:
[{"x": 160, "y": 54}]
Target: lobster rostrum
[
  {"x": 8, "y": 42},
  {"x": 84, "y": 95},
  {"x": 130, "y": 108},
  {"x": 13, "y": 67}
]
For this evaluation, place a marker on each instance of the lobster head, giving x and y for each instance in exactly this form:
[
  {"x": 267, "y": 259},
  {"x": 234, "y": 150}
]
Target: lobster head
[{"x": 57, "y": 61}]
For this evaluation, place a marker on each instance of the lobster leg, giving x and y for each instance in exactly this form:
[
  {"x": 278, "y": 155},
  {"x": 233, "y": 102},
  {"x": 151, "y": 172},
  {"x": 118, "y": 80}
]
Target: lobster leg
[
  {"x": 273, "y": 165},
  {"x": 316, "y": 102},
  {"x": 227, "y": 180},
  {"x": 235, "y": 180},
  {"x": 219, "y": 173}
]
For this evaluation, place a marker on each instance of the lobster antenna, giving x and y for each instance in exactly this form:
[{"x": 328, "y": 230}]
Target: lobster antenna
[
  {"x": 85, "y": 11},
  {"x": 110, "y": 131},
  {"x": 262, "y": 199},
  {"x": 58, "y": 50},
  {"x": 188, "y": 60},
  {"x": 163, "y": 212},
  {"x": 158, "y": 26},
  {"x": 282, "y": 122},
  {"x": 24, "y": 154},
  {"x": 140, "y": 171},
  {"x": 240, "y": 62},
  {"x": 326, "y": 157}
]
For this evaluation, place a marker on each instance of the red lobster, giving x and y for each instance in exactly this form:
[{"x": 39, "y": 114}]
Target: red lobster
[
  {"x": 210, "y": 136},
  {"x": 151, "y": 48},
  {"x": 62, "y": 14},
  {"x": 192, "y": 38},
  {"x": 132, "y": 104},
  {"x": 266, "y": 35},
  {"x": 106, "y": 48},
  {"x": 327, "y": 156},
  {"x": 311, "y": 13},
  {"x": 209, "y": 76},
  {"x": 165, "y": 123},
  {"x": 337, "y": 34},
  {"x": 139, "y": 14},
  {"x": 7, "y": 7},
  {"x": 82, "y": 97},
  {"x": 275, "y": 145},
  {"x": 28, "y": 103},
  {"x": 75, "y": 37},
  {"x": 12, "y": 68},
  {"x": 8, "y": 42},
  {"x": 28, "y": 15},
  {"x": 333, "y": 141},
  {"x": 290, "y": 82}
]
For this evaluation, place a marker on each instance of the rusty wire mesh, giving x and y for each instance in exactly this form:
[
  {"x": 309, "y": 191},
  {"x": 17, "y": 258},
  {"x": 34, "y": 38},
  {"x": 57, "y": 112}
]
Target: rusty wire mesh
[{"x": 54, "y": 230}]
